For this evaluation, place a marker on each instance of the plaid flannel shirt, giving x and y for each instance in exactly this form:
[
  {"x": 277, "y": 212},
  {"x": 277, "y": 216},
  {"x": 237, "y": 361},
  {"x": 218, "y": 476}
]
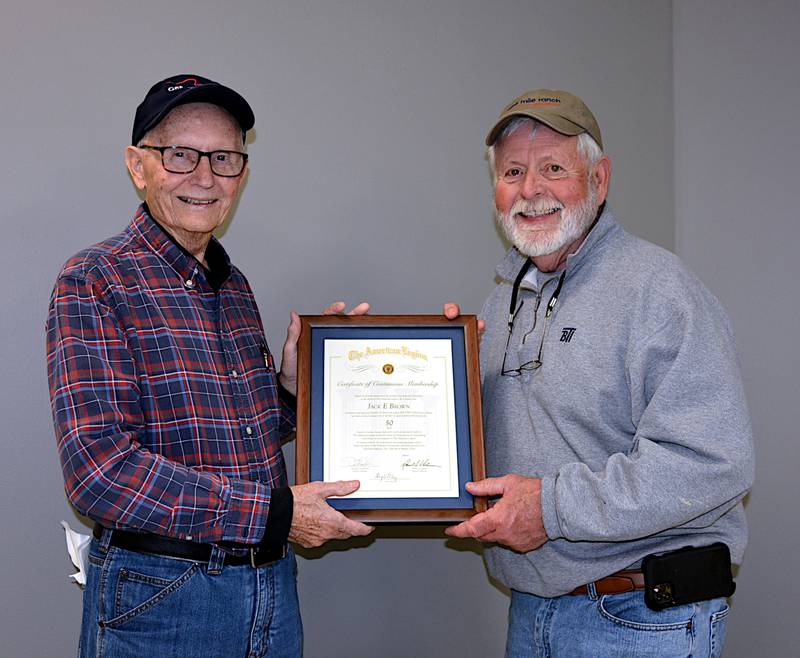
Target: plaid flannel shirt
[{"x": 164, "y": 396}]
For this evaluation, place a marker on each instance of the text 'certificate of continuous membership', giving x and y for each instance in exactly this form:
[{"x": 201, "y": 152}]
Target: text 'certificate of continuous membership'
[{"x": 389, "y": 417}]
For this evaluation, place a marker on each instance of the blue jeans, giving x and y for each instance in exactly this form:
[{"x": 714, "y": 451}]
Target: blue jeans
[
  {"x": 139, "y": 605},
  {"x": 613, "y": 626}
]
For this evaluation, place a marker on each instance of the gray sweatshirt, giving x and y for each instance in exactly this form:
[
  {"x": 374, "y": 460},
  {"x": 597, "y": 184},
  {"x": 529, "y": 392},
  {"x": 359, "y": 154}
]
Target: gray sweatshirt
[{"x": 636, "y": 421}]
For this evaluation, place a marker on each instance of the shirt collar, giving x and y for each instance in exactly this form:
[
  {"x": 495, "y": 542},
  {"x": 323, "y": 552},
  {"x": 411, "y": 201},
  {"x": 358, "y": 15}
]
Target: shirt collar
[{"x": 185, "y": 264}]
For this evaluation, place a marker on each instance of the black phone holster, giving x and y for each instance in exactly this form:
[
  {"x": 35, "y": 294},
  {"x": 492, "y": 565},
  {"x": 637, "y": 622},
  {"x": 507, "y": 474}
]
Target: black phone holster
[{"x": 687, "y": 575}]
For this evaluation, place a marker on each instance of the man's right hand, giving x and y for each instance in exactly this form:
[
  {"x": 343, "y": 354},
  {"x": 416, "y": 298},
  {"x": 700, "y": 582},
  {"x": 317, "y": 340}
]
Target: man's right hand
[
  {"x": 288, "y": 373},
  {"x": 314, "y": 521},
  {"x": 514, "y": 519}
]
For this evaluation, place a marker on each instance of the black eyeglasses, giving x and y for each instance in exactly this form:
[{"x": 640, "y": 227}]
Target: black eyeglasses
[
  {"x": 184, "y": 160},
  {"x": 512, "y": 314}
]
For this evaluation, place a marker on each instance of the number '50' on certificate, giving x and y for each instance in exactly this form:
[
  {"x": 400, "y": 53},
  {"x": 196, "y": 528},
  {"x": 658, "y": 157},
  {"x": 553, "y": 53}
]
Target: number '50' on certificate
[{"x": 394, "y": 402}]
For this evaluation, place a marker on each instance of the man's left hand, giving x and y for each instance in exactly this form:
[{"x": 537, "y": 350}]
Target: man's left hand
[
  {"x": 288, "y": 373},
  {"x": 515, "y": 520},
  {"x": 451, "y": 311}
]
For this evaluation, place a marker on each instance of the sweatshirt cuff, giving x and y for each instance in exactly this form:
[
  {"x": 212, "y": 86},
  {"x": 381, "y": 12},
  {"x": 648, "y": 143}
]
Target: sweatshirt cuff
[
  {"x": 549, "y": 513},
  {"x": 279, "y": 519}
]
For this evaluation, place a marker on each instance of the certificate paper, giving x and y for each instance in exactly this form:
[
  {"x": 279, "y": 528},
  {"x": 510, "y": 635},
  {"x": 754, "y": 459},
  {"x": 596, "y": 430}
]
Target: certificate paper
[{"x": 389, "y": 417}]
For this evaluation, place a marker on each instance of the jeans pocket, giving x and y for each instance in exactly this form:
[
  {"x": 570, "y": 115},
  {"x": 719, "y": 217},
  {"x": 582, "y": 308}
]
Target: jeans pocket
[
  {"x": 142, "y": 584},
  {"x": 719, "y": 626},
  {"x": 629, "y": 610}
]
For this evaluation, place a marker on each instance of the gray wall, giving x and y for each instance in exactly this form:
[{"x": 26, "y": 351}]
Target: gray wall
[
  {"x": 737, "y": 91},
  {"x": 367, "y": 182}
]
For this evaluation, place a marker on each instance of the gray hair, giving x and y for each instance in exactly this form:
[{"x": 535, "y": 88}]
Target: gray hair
[{"x": 588, "y": 149}]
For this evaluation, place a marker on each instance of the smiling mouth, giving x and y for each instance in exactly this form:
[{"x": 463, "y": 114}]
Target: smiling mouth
[
  {"x": 197, "y": 202},
  {"x": 541, "y": 214}
]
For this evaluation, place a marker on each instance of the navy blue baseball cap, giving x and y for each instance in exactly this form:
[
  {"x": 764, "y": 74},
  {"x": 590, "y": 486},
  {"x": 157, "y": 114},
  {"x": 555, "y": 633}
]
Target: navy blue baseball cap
[{"x": 188, "y": 88}]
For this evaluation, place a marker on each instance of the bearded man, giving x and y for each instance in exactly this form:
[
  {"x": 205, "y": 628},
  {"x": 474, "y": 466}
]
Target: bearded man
[{"x": 616, "y": 427}]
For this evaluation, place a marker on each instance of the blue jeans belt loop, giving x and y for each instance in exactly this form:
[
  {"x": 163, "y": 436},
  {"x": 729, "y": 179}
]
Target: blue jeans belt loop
[
  {"x": 255, "y": 556},
  {"x": 616, "y": 583}
]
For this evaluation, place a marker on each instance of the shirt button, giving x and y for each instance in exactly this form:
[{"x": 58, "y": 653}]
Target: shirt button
[
  {"x": 249, "y": 430},
  {"x": 234, "y": 373},
  {"x": 189, "y": 283}
]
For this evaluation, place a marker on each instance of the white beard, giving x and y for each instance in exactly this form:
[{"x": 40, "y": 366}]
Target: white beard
[{"x": 575, "y": 220}]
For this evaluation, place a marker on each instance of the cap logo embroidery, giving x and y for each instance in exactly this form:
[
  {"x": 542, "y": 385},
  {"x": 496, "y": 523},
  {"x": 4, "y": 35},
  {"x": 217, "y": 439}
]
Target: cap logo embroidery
[
  {"x": 539, "y": 101},
  {"x": 184, "y": 83}
]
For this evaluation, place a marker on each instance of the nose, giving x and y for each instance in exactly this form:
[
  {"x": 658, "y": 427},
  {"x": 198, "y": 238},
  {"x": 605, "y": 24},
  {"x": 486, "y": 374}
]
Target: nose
[
  {"x": 532, "y": 184},
  {"x": 202, "y": 175}
]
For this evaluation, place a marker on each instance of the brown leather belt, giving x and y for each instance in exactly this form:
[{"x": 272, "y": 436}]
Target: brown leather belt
[{"x": 616, "y": 583}]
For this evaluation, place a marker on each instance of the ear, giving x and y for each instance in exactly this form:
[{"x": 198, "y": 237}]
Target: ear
[
  {"x": 601, "y": 177},
  {"x": 134, "y": 160}
]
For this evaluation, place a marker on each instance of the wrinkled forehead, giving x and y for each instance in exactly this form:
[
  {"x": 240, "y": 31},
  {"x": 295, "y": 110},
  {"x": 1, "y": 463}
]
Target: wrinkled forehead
[{"x": 201, "y": 118}]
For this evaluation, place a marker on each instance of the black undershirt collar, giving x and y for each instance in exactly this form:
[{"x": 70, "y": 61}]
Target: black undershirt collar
[{"x": 219, "y": 266}]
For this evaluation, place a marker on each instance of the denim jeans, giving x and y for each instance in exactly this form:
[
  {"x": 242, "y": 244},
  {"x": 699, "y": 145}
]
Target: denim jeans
[
  {"x": 139, "y": 605},
  {"x": 613, "y": 626}
]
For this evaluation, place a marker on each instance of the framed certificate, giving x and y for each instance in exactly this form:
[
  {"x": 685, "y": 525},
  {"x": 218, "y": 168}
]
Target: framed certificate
[{"x": 394, "y": 402}]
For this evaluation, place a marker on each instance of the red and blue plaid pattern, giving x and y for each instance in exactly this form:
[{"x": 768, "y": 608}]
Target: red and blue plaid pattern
[{"x": 164, "y": 397}]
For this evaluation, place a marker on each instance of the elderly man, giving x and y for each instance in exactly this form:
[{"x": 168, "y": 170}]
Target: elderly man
[
  {"x": 616, "y": 425},
  {"x": 168, "y": 411}
]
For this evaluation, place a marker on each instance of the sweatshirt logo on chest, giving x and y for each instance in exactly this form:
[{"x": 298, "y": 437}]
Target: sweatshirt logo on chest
[{"x": 566, "y": 334}]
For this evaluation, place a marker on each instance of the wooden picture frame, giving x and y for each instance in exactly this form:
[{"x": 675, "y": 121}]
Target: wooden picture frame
[{"x": 389, "y": 362}]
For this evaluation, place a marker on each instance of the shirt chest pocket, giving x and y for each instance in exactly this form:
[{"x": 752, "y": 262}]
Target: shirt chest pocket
[{"x": 254, "y": 375}]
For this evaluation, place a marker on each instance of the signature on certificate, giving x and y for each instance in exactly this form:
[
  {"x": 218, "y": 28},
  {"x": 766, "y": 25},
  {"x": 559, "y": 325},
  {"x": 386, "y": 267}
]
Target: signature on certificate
[{"x": 420, "y": 464}]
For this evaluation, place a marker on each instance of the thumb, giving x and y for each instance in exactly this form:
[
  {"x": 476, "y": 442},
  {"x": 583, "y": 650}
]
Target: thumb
[
  {"x": 451, "y": 310},
  {"x": 339, "y": 488},
  {"x": 293, "y": 330},
  {"x": 487, "y": 487}
]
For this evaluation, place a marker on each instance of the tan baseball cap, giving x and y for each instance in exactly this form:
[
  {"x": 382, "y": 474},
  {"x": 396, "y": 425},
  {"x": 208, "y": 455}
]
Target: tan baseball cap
[{"x": 562, "y": 111}]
